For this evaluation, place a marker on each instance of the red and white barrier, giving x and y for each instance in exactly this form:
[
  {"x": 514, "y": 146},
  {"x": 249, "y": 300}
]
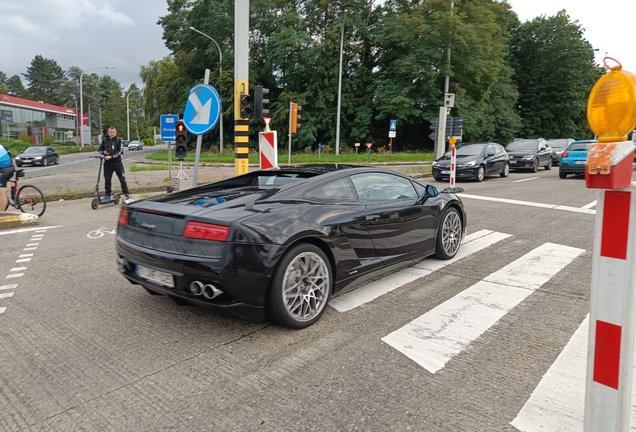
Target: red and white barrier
[
  {"x": 268, "y": 149},
  {"x": 613, "y": 297},
  {"x": 453, "y": 165}
]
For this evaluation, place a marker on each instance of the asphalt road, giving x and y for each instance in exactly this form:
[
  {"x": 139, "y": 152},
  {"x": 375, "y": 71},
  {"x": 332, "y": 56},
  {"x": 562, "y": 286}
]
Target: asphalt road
[{"x": 82, "y": 349}]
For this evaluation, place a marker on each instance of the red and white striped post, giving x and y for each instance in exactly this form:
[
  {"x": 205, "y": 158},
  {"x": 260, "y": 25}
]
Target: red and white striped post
[
  {"x": 610, "y": 358},
  {"x": 453, "y": 161}
]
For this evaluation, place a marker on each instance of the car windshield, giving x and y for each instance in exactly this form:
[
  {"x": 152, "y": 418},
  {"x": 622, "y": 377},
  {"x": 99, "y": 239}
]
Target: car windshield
[
  {"x": 522, "y": 145},
  {"x": 579, "y": 146},
  {"x": 36, "y": 150},
  {"x": 558, "y": 143},
  {"x": 470, "y": 150}
]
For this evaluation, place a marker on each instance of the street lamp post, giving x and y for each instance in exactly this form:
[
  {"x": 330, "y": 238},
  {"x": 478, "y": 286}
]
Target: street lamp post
[
  {"x": 128, "y": 113},
  {"x": 81, "y": 122},
  {"x": 220, "y": 73}
]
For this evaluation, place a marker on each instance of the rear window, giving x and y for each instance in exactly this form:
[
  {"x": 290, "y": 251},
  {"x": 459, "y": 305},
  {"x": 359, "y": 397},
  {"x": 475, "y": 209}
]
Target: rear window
[
  {"x": 579, "y": 146},
  {"x": 522, "y": 145}
]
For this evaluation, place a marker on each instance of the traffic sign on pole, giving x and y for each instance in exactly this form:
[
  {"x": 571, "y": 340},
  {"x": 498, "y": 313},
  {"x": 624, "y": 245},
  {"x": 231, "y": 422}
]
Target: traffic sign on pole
[
  {"x": 203, "y": 109},
  {"x": 393, "y": 125},
  {"x": 168, "y": 123}
]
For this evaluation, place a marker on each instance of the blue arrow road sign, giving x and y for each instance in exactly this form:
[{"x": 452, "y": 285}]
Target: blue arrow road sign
[
  {"x": 169, "y": 127},
  {"x": 203, "y": 109},
  {"x": 393, "y": 125}
]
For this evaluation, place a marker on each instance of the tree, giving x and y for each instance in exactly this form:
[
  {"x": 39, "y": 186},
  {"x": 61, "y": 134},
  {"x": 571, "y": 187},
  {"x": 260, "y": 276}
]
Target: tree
[
  {"x": 15, "y": 87},
  {"x": 554, "y": 72},
  {"x": 45, "y": 77},
  {"x": 3, "y": 82}
]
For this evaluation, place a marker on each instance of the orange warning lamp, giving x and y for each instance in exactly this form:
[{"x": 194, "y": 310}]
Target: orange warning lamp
[{"x": 611, "y": 106}]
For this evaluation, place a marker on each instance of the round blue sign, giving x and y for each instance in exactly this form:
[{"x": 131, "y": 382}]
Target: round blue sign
[{"x": 203, "y": 109}]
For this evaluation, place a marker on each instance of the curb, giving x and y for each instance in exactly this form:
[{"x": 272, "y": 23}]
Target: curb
[{"x": 17, "y": 220}]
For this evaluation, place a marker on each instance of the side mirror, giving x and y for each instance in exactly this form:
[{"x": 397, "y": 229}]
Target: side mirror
[{"x": 489, "y": 154}]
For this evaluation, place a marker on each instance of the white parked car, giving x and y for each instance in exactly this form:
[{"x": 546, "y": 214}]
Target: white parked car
[{"x": 135, "y": 145}]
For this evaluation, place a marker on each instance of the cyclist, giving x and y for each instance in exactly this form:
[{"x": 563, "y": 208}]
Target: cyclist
[{"x": 6, "y": 172}]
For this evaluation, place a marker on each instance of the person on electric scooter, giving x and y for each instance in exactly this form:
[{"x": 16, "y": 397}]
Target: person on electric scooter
[
  {"x": 6, "y": 172},
  {"x": 112, "y": 148}
]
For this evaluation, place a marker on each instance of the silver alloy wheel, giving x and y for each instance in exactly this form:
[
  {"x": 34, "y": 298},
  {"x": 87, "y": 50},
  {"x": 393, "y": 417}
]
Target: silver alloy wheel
[
  {"x": 306, "y": 286},
  {"x": 481, "y": 173},
  {"x": 451, "y": 233},
  {"x": 506, "y": 171}
]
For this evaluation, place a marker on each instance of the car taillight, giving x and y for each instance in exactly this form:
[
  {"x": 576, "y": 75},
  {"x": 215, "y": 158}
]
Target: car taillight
[
  {"x": 564, "y": 154},
  {"x": 123, "y": 217},
  {"x": 205, "y": 231}
]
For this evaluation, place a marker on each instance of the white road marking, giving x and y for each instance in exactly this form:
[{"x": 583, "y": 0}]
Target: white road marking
[
  {"x": 22, "y": 230},
  {"x": 590, "y": 205},
  {"x": 529, "y": 203},
  {"x": 29, "y": 249},
  {"x": 443, "y": 332},
  {"x": 18, "y": 269},
  {"x": 36, "y": 237},
  {"x": 25, "y": 255},
  {"x": 522, "y": 180},
  {"x": 558, "y": 402},
  {"x": 6, "y": 295},
  {"x": 40, "y": 231},
  {"x": 2, "y": 309},
  {"x": 23, "y": 260},
  {"x": 14, "y": 275},
  {"x": 33, "y": 244},
  {"x": 6, "y": 287},
  {"x": 369, "y": 292}
]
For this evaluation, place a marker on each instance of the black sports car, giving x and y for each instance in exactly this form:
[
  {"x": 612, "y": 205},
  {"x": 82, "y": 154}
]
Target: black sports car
[{"x": 276, "y": 244}]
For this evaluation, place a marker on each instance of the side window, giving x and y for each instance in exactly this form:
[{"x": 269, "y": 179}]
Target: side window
[
  {"x": 499, "y": 149},
  {"x": 420, "y": 188},
  {"x": 338, "y": 190},
  {"x": 373, "y": 187}
]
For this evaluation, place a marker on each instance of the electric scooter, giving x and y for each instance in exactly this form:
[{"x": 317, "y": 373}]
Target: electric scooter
[{"x": 96, "y": 201}]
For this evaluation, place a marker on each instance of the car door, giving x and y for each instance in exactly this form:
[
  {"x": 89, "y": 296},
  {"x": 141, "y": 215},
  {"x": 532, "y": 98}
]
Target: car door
[
  {"x": 50, "y": 155},
  {"x": 490, "y": 160},
  {"x": 400, "y": 224},
  {"x": 545, "y": 153}
]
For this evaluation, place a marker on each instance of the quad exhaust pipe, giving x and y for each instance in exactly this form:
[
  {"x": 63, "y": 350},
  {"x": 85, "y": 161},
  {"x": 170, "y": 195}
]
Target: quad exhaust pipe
[{"x": 208, "y": 291}]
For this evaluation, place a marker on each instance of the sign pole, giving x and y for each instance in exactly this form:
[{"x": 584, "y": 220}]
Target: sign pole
[
  {"x": 290, "y": 134},
  {"x": 206, "y": 80}
]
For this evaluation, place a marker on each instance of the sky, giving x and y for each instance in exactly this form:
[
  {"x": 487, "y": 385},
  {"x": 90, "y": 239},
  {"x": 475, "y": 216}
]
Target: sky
[{"x": 125, "y": 33}]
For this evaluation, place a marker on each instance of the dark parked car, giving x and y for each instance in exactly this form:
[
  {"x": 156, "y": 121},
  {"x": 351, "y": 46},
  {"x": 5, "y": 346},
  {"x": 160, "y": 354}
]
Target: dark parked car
[
  {"x": 38, "y": 155},
  {"x": 529, "y": 154},
  {"x": 276, "y": 244},
  {"x": 557, "y": 146},
  {"x": 474, "y": 161},
  {"x": 574, "y": 158}
]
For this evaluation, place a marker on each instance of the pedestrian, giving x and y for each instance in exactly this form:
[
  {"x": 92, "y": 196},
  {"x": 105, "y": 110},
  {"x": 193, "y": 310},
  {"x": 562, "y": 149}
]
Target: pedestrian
[
  {"x": 112, "y": 148},
  {"x": 6, "y": 172}
]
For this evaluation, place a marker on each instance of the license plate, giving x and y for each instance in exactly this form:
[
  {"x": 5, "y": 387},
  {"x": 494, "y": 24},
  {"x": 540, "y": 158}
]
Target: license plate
[
  {"x": 445, "y": 172},
  {"x": 579, "y": 162},
  {"x": 156, "y": 276},
  {"x": 513, "y": 162}
]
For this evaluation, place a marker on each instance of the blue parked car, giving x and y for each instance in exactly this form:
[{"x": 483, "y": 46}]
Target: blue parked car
[{"x": 574, "y": 157}]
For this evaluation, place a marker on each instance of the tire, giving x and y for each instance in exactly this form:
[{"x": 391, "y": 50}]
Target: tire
[
  {"x": 19, "y": 164},
  {"x": 481, "y": 174},
  {"x": 449, "y": 234},
  {"x": 301, "y": 287},
  {"x": 562, "y": 175},
  {"x": 535, "y": 166},
  {"x": 45, "y": 162},
  {"x": 506, "y": 171},
  {"x": 57, "y": 160},
  {"x": 548, "y": 166},
  {"x": 31, "y": 200},
  {"x": 94, "y": 203}
]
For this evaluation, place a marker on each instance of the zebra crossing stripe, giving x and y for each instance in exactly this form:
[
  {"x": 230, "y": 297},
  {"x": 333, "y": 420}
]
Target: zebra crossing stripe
[
  {"x": 443, "y": 332},
  {"x": 558, "y": 402},
  {"x": 369, "y": 292}
]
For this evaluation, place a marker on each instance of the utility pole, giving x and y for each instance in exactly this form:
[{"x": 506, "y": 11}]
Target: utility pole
[
  {"x": 241, "y": 84},
  {"x": 440, "y": 144}
]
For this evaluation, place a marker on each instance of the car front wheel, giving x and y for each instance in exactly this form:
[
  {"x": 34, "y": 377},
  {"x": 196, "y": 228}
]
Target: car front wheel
[
  {"x": 481, "y": 173},
  {"x": 449, "y": 234},
  {"x": 45, "y": 162},
  {"x": 300, "y": 288},
  {"x": 535, "y": 166}
]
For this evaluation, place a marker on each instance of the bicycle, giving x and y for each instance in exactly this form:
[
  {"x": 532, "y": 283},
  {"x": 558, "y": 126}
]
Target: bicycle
[{"x": 27, "y": 199}]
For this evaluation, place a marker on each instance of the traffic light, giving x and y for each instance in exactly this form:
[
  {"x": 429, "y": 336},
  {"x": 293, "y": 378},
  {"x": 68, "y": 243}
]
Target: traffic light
[
  {"x": 259, "y": 102},
  {"x": 433, "y": 135},
  {"x": 246, "y": 105},
  {"x": 182, "y": 140},
  {"x": 295, "y": 117}
]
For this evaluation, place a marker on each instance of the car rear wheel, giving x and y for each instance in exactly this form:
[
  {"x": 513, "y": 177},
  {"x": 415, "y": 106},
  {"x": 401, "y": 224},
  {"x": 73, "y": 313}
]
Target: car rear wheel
[
  {"x": 449, "y": 234},
  {"x": 506, "y": 171},
  {"x": 562, "y": 175},
  {"x": 481, "y": 173},
  {"x": 535, "y": 166},
  {"x": 301, "y": 287},
  {"x": 57, "y": 160}
]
